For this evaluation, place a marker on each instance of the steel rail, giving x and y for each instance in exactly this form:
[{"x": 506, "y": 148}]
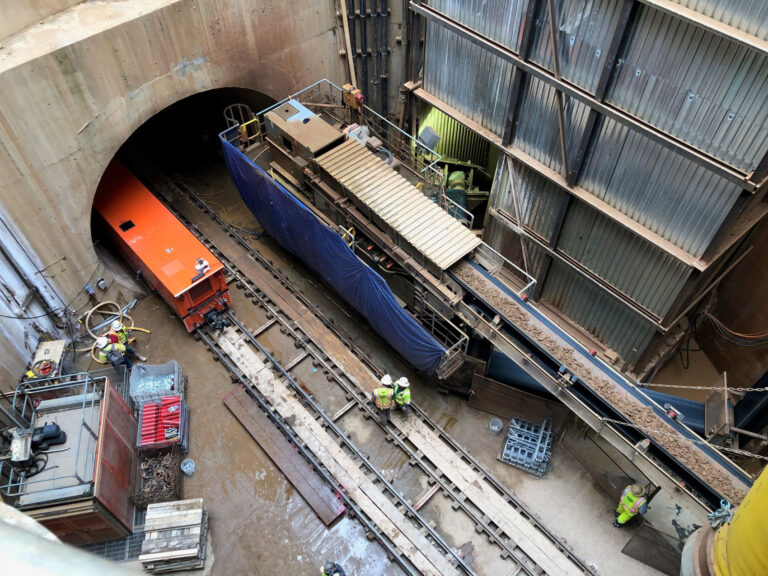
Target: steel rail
[
  {"x": 366, "y": 360},
  {"x": 329, "y": 423},
  {"x": 307, "y": 454},
  {"x": 340, "y": 377}
]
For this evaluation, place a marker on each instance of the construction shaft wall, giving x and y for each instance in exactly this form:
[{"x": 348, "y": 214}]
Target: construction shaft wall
[
  {"x": 632, "y": 160},
  {"x": 75, "y": 86}
]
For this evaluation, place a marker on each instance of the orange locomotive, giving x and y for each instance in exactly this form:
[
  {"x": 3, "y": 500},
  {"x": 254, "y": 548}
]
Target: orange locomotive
[{"x": 176, "y": 264}]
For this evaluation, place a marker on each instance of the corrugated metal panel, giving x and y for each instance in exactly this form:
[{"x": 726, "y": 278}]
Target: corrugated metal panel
[
  {"x": 598, "y": 313},
  {"x": 467, "y": 77},
  {"x": 499, "y": 20},
  {"x": 751, "y": 16},
  {"x": 432, "y": 231},
  {"x": 695, "y": 85},
  {"x": 500, "y": 236},
  {"x": 632, "y": 265},
  {"x": 540, "y": 201},
  {"x": 536, "y": 130},
  {"x": 456, "y": 140},
  {"x": 585, "y": 29},
  {"x": 676, "y": 198}
]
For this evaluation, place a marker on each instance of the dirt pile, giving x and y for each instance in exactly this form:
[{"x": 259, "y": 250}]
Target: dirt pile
[{"x": 636, "y": 412}]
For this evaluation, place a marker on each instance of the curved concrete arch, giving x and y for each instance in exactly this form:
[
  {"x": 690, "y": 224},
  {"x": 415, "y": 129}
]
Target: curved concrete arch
[{"x": 75, "y": 87}]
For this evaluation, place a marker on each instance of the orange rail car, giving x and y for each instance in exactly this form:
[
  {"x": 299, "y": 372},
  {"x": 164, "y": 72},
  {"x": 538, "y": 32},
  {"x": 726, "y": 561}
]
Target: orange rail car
[{"x": 176, "y": 264}]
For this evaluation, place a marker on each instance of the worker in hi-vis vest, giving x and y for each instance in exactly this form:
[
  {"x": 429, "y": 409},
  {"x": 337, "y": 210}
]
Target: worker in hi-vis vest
[
  {"x": 403, "y": 394},
  {"x": 119, "y": 334},
  {"x": 632, "y": 501},
  {"x": 332, "y": 569},
  {"x": 383, "y": 397},
  {"x": 111, "y": 352}
]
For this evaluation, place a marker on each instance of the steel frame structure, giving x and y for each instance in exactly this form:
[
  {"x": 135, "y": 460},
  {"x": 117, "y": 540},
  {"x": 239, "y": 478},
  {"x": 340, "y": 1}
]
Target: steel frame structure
[{"x": 565, "y": 88}]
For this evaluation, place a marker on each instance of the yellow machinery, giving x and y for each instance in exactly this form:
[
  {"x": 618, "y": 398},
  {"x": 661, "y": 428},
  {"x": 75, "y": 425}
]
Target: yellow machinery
[{"x": 737, "y": 548}]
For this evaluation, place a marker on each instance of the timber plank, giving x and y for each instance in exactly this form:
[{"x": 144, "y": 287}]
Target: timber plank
[
  {"x": 535, "y": 544},
  {"x": 157, "y": 556},
  {"x": 406, "y": 537},
  {"x": 312, "y": 488}
]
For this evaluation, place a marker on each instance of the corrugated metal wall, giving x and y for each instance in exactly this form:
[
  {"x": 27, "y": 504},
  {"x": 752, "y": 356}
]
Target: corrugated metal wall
[
  {"x": 697, "y": 86},
  {"x": 467, "y": 78},
  {"x": 596, "y": 312},
  {"x": 456, "y": 140},
  {"x": 678, "y": 199},
  {"x": 751, "y": 16},
  {"x": 644, "y": 273}
]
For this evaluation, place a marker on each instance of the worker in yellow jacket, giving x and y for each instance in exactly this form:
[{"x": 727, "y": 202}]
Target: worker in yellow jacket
[
  {"x": 632, "y": 502},
  {"x": 403, "y": 394},
  {"x": 119, "y": 334},
  {"x": 383, "y": 397},
  {"x": 112, "y": 352}
]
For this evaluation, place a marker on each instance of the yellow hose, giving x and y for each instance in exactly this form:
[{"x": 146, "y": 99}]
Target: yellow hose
[
  {"x": 121, "y": 314},
  {"x": 99, "y": 305}
]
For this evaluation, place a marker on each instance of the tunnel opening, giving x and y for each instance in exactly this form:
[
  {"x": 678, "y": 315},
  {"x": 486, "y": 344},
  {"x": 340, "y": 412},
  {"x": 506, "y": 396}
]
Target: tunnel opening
[{"x": 180, "y": 143}]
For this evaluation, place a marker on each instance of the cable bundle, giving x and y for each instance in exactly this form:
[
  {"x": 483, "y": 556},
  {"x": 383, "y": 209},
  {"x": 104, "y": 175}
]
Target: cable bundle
[{"x": 737, "y": 338}]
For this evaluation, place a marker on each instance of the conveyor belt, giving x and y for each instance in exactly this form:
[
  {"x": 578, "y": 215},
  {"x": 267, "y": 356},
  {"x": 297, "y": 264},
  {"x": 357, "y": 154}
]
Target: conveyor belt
[
  {"x": 547, "y": 362},
  {"x": 389, "y": 196}
]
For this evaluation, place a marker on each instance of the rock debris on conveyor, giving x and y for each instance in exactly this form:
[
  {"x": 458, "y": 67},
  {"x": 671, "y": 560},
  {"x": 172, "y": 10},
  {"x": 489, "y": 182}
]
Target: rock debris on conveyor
[{"x": 636, "y": 412}]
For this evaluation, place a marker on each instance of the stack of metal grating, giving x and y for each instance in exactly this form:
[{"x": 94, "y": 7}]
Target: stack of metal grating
[
  {"x": 174, "y": 536},
  {"x": 528, "y": 446}
]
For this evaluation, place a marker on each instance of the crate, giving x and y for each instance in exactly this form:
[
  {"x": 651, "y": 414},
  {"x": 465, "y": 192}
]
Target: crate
[
  {"x": 153, "y": 381},
  {"x": 528, "y": 446},
  {"x": 146, "y": 438}
]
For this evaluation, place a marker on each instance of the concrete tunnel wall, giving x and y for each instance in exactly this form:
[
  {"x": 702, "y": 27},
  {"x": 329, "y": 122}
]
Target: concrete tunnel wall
[{"x": 67, "y": 105}]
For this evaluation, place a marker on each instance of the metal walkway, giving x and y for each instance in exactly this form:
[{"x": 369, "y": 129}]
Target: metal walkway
[{"x": 397, "y": 203}]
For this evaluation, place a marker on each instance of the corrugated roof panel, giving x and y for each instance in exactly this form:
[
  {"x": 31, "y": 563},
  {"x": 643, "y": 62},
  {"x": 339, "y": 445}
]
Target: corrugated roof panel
[{"x": 418, "y": 220}]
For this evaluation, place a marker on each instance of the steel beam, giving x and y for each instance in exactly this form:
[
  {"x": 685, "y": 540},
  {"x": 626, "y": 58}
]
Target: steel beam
[
  {"x": 558, "y": 94},
  {"x": 709, "y": 24},
  {"x": 761, "y": 171},
  {"x": 656, "y": 135},
  {"x": 556, "y": 178},
  {"x": 518, "y": 80},
  {"x": 606, "y": 73}
]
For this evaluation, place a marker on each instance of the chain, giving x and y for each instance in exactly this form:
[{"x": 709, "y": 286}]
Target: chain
[
  {"x": 652, "y": 385},
  {"x": 651, "y": 432}
]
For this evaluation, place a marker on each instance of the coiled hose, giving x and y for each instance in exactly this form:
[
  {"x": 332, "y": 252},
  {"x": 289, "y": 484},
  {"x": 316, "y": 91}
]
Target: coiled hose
[{"x": 121, "y": 315}]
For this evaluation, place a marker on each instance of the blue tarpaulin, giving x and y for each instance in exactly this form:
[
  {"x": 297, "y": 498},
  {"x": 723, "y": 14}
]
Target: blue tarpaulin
[{"x": 299, "y": 231}]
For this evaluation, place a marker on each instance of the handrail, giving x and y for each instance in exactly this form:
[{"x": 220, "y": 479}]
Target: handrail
[{"x": 482, "y": 257}]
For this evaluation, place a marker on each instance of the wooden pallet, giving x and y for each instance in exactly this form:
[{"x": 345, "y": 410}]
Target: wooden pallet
[{"x": 174, "y": 536}]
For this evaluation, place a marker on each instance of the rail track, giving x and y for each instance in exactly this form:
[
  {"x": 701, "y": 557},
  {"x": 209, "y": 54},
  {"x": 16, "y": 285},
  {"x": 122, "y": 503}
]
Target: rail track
[{"x": 515, "y": 558}]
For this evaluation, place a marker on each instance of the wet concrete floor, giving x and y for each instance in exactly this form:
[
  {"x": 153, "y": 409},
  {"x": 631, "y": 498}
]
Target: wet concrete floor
[{"x": 259, "y": 525}]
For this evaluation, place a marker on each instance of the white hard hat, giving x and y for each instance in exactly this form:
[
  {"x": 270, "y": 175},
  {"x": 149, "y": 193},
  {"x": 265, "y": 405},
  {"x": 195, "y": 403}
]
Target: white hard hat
[
  {"x": 386, "y": 380},
  {"x": 102, "y": 341},
  {"x": 116, "y": 325},
  {"x": 403, "y": 382}
]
